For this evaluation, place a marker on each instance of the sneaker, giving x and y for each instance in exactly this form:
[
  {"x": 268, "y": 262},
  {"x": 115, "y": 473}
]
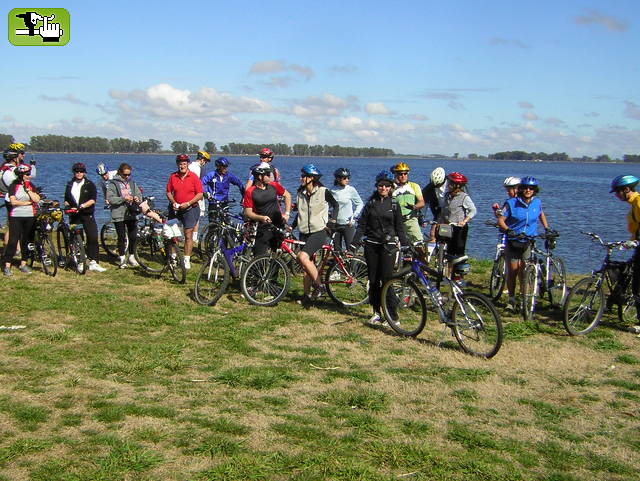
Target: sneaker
[
  {"x": 132, "y": 261},
  {"x": 6, "y": 271},
  {"x": 335, "y": 276},
  {"x": 375, "y": 320},
  {"x": 25, "y": 269},
  {"x": 122, "y": 262},
  {"x": 318, "y": 292},
  {"x": 304, "y": 301},
  {"x": 512, "y": 304},
  {"x": 187, "y": 263},
  {"x": 94, "y": 266}
]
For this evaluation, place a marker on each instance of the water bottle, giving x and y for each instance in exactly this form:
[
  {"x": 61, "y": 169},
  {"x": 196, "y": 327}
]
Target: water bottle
[{"x": 434, "y": 292}]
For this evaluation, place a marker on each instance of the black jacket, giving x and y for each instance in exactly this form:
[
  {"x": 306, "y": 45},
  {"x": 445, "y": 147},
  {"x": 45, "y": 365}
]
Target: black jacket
[
  {"x": 381, "y": 221},
  {"x": 87, "y": 192}
]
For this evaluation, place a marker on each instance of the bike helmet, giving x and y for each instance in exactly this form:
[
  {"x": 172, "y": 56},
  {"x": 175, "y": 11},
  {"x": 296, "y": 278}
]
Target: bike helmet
[
  {"x": 9, "y": 155},
  {"x": 17, "y": 147},
  {"x": 438, "y": 176},
  {"x": 530, "y": 182},
  {"x": 78, "y": 167},
  {"x": 102, "y": 169},
  {"x": 342, "y": 172},
  {"x": 457, "y": 178},
  {"x": 222, "y": 162},
  {"x": 511, "y": 182},
  {"x": 23, "y": 169},
  {"x": 266, "y": 152},
  {"x": 400, "y": 167},
  {"x": 203, "y": 155},
  {"x": 623, "y": 181},
  {"x": 261, "y": 169},
  {"x": 182, "y": 158},
  {"x": 384, "y": 176},
  {"x": 311, "y": 170}
]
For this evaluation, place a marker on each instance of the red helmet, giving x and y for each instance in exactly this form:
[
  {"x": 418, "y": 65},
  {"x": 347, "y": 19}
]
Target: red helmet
[
  {"x": 182, "y": 158},
  {"x": 79, "y": 167},
  {"x": 266, "y": 152},
  {"x": 457, "y": 178}
]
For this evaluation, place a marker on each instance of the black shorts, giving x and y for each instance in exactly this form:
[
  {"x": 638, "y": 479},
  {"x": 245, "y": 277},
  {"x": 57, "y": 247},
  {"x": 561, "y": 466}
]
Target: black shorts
[{"x": 314, "y": 241}]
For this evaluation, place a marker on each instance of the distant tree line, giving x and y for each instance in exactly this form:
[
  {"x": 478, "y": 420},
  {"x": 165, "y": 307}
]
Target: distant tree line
[
  {"x": 308, "y": 150},
  {"x": 522, "y": 155},
  {"x": 62, "y": 143},
  {"x": 631, "y": 158}
]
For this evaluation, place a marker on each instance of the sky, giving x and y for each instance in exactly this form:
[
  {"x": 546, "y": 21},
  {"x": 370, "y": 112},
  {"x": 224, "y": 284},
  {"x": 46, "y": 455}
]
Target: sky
[{"x": 419, "y": 77}]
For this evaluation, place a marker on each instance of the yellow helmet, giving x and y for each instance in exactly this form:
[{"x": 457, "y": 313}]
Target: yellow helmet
[
  {"x": 56, "y": 215},
  {"x": 203, "y": 155},
  {"x": 17, "y": 147},
  {"x": 400, "y": 167}
]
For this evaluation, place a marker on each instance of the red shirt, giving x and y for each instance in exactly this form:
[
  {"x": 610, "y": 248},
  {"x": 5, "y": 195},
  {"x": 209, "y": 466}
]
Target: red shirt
[
  {"x": 265, "y": 201},
  {"x": 184, "y": 189}
]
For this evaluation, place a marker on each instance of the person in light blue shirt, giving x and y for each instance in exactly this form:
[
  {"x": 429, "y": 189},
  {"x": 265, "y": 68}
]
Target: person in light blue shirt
[{"x": 350, "y": 206}]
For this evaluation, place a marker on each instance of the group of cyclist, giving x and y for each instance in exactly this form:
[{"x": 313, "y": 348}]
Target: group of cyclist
[{"x": 390, "y": 219}]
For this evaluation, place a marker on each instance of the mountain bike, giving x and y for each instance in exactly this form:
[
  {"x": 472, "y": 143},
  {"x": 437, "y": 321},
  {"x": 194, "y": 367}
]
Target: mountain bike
[
  {"x": 42, "y": 247},
  {"x": 265, "y": 280},
  {"x": 443, "y": 262},
  {"x": 585, "y": 302},
  {"x": 471, "y": 317},
  {"x": 158, "y": 250},
  {"x": 224, "y": 263},
  {"x": 219, "y": 217},
  {"x": 543, "y": 274},
  {"x": 498, "y": 277},
  {"x": 71, "y": 246},
  {"x": 109, "y": 239}
]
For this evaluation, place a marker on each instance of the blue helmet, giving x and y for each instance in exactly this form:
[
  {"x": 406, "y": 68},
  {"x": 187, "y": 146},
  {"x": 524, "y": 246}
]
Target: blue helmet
[
  {"x": 311, "y": 170},
  {"x": 384, "y": 175},
  {"x": 623, "y": 181},
  {"x": 222, "y": 162},
  {"x": 529, "y": 181}
]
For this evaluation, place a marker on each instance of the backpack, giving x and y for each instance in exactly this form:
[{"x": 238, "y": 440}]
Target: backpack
[{"x": 4, "y": 188}]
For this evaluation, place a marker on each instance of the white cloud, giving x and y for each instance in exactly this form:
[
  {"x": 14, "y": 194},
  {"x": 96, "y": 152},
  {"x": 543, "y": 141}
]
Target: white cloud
[
  {"x": 327, "y": 105},
  {"x": 344, "y": 69},
  {"x": 523, "y": 104},
  {"x": 529, "y": 116},
  {"x": 596, "y": 18},
  {"x": 70, "y": 98},
  {"x": 376, "y": 108},
  {"x": 631, "y": 110},
  {"x": 269, "y": 66},
  {"x": 277, "y": 66}
]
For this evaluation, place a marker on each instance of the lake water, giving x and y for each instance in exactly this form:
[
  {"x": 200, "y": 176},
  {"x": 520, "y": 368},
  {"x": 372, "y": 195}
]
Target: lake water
[{"x": 575, "y": 196}]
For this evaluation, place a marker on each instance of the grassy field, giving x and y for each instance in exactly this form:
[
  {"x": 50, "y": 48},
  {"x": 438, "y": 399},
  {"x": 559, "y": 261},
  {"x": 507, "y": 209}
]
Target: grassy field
[{"x": 119, "y": 376}]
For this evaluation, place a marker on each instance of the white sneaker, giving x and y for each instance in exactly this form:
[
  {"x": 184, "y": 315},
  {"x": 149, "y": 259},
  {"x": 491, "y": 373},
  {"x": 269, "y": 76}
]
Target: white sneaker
[
  {"x": 187, "y": 263},
  {"x": 375, "y": 320},
  {"x": 94, "y": 266},
  {"x": 132, "y": 261},
  {"x": 122, "y": 262}
]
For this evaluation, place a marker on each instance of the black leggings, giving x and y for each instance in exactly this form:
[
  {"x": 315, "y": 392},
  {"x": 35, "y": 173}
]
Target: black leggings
[
  {"x": 380, "y": 263},
  {"x": 458, "y": 242},
  {"x": 21, "y": 229},
  {"x": 90, "y": 232},
  {"x": 124, "y": 229},
  {"x": 343, "y": 232}
]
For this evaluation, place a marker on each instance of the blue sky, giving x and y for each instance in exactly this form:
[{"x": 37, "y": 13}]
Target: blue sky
[{"x": 416, "y": 76}]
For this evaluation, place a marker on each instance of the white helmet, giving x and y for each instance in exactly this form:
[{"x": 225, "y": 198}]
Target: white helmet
[
  {"x": 437, "y": 176},
  {"x": 511, "y": 181}
]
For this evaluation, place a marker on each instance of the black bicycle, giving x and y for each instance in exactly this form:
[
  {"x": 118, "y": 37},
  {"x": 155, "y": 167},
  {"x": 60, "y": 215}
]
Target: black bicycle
[
  {"x": 42, "y": 248},
  {"x": 71, "y": 246}
]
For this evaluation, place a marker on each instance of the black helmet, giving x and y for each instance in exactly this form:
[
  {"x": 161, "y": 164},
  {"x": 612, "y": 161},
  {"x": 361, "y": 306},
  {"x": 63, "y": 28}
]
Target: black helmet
[
  {"x": 261, "y": 169},
  {"x": 342, "y": 172}
]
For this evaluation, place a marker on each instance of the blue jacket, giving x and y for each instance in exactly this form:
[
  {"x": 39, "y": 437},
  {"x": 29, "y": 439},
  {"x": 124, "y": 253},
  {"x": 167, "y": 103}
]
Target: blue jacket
[
  {"x": 217, "y": 185},
  {"x": 523, "y": 217}
]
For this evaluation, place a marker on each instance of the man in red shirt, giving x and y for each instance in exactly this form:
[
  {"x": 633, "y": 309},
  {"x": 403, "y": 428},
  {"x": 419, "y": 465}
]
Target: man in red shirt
[{"x": 184, "y": 190}]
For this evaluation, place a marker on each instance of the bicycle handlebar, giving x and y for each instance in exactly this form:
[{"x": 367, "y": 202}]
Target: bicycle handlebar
[{"x": 628, "y": 244}]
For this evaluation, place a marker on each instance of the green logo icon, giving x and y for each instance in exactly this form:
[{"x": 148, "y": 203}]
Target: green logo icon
[{"x": 39, "y": 26}]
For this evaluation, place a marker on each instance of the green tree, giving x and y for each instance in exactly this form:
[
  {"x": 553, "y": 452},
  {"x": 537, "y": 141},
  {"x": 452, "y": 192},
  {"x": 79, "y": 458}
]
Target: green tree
[
  {"x": 155, "y": 145},
  {"x": 210, "y": 147},
  {"x": 5, "y": 140},
  {"x": 179, "y": 146}
]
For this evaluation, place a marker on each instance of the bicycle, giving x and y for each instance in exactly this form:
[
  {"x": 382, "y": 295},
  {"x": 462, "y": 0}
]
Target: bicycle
[
  {"x": 109, "y": 239},
  {"x": 498, "y": 277},
  {"x": 585, "y": 302},
  {"x": 70, "y": 239},
  {"x": 543, "y": 273},
  {"x": 42, "y": 247},
  {"x": 471, "y": 317},
  {"x": 265, "y": 280},
  {"x": 224, "y": 263},
  {"x": 219, "y": 216},
  {"x": 444, "y": 262}
]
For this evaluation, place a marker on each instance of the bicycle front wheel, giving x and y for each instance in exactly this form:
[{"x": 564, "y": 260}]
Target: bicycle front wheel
[
  {"x": 529, "y": 291},
  {"x": 48, "y": 256},
  {"x": 557, "y": 284},
  {"x": 78, "y": 254},
  {"x": 403, "y": 306},
  {"x": 149, "y": 253},
  {"x": 498, "y": 277},
  {"x": 265, "y": 280},
  {"x": 476, "y": 325},
  {"x": 584, "y": 306},
  {"x": 349, "y": 286},
  {"x": 109, "y": 239},
  {"x": 212, "y": 280},
  {"x": 175, "y": 263}
]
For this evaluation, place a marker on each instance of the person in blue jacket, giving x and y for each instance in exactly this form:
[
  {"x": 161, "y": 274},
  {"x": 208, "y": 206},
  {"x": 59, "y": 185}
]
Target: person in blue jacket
[{"x": 216, "y": 184}]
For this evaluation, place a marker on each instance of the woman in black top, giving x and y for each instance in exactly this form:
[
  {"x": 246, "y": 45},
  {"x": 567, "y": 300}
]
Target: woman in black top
[
  {"x": 382, "y": 227},
  {"x": 81, "y": 194}
]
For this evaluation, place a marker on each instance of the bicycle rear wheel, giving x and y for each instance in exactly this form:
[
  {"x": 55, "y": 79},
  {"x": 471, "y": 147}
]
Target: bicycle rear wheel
[
  {"x": 149, "y": 253},
  {"x": 265, "y": 280},
  {"x": 403, "y": 306},
  {"x": 212, "y": 280},
  {"x": 109, "y": 239},
  {"x": 348, "y": 287},
  {"x": 48, "y": 256},
  {"x": 63, "y": 246},
  {"x": 498, "y": 277},
  {"x": 175, "y": 263},
  {"x": 627, "y": 308},
  {"x": 557, "y": 286},
  {"x": 530, "y": 291},
  {"x": 476, "y": 325},
  {"x": 78, "y": 255},
  {"x": 584, "y": 306}
]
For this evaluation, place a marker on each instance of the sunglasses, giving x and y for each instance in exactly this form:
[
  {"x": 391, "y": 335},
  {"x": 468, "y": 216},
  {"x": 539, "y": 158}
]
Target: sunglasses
[
  {"x": 387, "y": 186},
  {"x": 402, "y": 173},
  {"x": 76, "y": 171}
]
